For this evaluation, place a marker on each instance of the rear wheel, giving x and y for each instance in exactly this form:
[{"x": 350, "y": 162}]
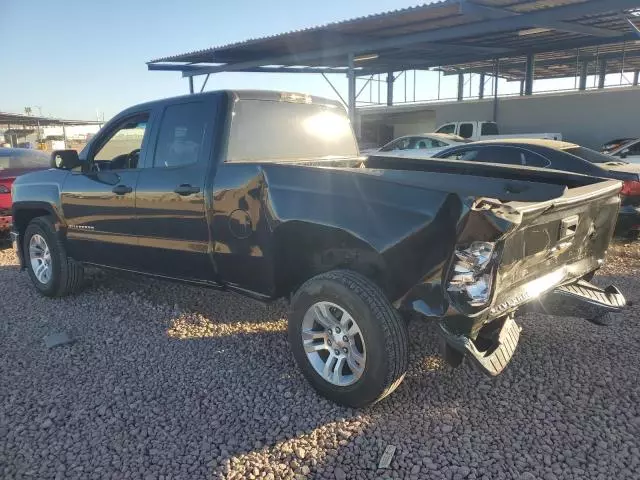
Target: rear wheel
[
  {"x": 349, "y": 341},
  {"x": 51, "y": 271}
]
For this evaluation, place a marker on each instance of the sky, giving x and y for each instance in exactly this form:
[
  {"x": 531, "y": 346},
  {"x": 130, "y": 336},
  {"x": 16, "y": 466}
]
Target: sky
[
  {"x": 73, "y": 57},
  {"x": 81, "y": 59}
]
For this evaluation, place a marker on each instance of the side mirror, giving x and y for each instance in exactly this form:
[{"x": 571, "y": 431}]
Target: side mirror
[{"x": 65, "y": 159}]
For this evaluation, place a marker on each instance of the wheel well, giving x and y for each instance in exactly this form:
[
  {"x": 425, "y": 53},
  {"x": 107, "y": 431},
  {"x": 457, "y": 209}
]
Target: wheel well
[
  {"x": 22, "y": 218},
  {"x": 305, "y": 250}
]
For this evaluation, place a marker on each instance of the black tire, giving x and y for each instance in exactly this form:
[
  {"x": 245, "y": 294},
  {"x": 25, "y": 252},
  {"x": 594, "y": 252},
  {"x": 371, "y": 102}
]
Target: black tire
[
  {"x": 66, "y": 274},
  {"x": 384, "y": 331}
]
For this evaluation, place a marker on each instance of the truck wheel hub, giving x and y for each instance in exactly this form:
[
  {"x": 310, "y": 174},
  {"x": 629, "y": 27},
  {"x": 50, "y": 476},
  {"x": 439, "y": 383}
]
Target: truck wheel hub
[
  {"x": 333, "y": 343},
  {"x": 40, "y": 258}
]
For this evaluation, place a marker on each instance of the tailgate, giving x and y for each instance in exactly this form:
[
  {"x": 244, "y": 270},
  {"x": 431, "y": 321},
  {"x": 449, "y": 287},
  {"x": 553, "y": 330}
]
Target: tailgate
[{"x": 558, "y": 241}]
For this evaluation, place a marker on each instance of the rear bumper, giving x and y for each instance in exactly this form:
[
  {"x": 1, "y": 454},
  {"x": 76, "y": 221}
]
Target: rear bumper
[
  {"x": 5, "y": 225},
  {"x": 496, "y": 344}
]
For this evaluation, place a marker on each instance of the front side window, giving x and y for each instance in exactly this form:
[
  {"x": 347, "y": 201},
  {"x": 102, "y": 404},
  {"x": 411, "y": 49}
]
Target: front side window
[
  {"x": 122, "y": 149},
  {"x": 182, "y": 134}
]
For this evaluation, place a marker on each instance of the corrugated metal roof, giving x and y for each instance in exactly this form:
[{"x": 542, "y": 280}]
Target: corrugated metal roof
[
  {"x": 468, "y": 42},
  {"x": 387, "y": 16}
]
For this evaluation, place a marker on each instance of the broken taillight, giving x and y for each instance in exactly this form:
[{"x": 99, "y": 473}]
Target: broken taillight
[
  {"x": 631, "y": 188},
  {"x": 472, "y": 278}
]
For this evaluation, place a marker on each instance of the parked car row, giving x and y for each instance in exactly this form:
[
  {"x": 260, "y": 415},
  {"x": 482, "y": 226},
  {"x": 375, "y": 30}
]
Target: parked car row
[
  {"x": 485, "y": 130},
  {"x": 628, "y": 151},
  {"x": 15, "y": 162},
  {"x": 563, "y": 156},
  {"x": 617, "y": 163},
  {"x": 173, "y": 188}
]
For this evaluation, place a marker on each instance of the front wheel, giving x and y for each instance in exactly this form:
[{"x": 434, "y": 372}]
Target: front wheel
[
  {"x": 51, "y": 271},
  {"x": 348, "y": 340}
]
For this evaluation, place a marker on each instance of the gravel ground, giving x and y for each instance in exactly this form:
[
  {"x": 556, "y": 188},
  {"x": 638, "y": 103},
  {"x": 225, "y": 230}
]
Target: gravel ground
[{"x": 182, "y": 382}]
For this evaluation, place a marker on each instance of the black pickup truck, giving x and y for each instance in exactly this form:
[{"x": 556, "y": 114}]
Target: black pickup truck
[{"x": 265, "y": 193}]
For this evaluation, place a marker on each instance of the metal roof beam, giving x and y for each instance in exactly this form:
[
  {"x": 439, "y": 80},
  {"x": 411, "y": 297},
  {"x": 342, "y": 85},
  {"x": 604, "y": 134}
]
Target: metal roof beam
[
  {"x": 562, "y": 26},
  {"x": 570, "y": 61},
  {"x": 265, "y": 69},
  {"x": 465, "y": 59}
]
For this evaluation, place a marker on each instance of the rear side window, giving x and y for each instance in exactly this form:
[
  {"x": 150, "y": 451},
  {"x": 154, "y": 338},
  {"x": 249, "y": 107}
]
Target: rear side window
[
  {"x": 270, "y": 130},
  {"x": 466, "y": 155},
  {"x": 182, "y": 133},
  {"x": 466, "y": 130},
  {"x": 589, "y": 155},
  {"x": 489, "y": 128},
  {"x": 535, "y": 160},
  {"x": 400, "y": 144},
  {"x": 449, "y": 128},
  {"x": 512, "y": 156},
  {"x": 634, "y": 149}
]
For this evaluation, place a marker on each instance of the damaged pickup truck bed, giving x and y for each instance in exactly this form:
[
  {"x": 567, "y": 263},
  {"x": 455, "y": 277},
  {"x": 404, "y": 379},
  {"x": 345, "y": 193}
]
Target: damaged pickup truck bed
[{"x": 265, "y": 194}]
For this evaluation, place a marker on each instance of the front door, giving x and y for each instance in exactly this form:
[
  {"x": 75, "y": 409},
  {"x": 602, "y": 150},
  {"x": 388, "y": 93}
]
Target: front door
[
  {"x": 172, "y": 223},
  {"x": 99, "y": 203}
]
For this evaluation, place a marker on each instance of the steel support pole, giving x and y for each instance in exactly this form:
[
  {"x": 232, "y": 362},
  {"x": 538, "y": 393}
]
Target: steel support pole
[
  {"x": 636, "y": 77},
  {"x": 602, "y": 73},
  {"x": 522, "y": 82},
  {"x": 10, "y": 136},
  {"x": 584, "y": 70},
  {"x": 529, "y": 75},
  {"x": 390, "y": 89},
  {"x": 496, "y": 73},
  {"x": 460, "y": 87},
  {"x": 481, "y": 92},
  {"x": 64, "y": 135},
  {"x": 190, "y": 84},
  {"x": 351, "y": 97}
]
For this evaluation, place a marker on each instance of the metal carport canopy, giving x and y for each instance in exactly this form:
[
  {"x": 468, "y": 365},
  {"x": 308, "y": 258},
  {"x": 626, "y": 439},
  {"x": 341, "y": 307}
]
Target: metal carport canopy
[
  {"x": 446, "y": 33},
  {"x": 20, "y": 119}
]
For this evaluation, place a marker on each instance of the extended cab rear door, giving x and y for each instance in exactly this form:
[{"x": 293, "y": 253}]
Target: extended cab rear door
[{"x": 172, "y": 227}]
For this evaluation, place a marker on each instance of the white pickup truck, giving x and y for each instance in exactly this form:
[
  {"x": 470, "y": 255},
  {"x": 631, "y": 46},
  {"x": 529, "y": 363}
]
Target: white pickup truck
[{"x": 480, "y": 130}]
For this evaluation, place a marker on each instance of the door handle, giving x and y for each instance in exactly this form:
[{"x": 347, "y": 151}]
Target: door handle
[
  {"x": 186, "y": 189},
  {"x": 122, "y": 189}
]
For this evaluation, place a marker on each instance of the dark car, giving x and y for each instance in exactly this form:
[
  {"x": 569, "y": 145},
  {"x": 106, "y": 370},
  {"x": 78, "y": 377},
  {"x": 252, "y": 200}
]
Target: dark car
[
  {"x": 266, "y": 194},
  {"x": 615, "y": 144},
  {"x": 564, "y": 156},
  {"x": 15, "y": 162}
]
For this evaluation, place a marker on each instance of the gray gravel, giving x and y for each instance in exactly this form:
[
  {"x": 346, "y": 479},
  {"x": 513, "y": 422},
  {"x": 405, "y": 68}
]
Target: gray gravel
[{"x": 168, "y": 381}]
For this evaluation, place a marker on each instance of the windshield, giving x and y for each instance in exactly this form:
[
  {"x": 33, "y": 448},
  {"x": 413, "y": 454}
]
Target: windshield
[
  {"x": 16, "y": 158},
  {"x": 269, "y": 130},
  {"x": 592, "y": 156}
]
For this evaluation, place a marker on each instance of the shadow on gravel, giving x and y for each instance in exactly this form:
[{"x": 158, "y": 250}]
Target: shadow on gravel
[
  {"x": 233, "y": 359},
  {"x": 195, "y": 383}
]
